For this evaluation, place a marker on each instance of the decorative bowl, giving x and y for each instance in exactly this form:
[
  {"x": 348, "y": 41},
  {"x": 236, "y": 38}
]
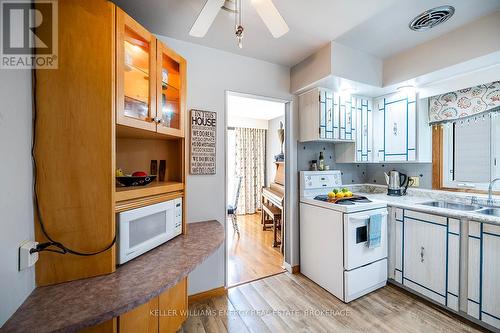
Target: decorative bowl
[{"x": 127, "y": 181}]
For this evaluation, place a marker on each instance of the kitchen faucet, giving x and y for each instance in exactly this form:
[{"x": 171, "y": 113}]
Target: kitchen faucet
[{"x": 490, "y": 192}]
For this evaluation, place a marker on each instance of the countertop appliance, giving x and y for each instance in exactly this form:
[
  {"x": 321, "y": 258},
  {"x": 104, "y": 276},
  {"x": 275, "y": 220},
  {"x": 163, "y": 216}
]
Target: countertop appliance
[
  {"x": 334, "y": 250},
  {"x": 143, "y": 229},
  {"x": 397, "y": 183}
]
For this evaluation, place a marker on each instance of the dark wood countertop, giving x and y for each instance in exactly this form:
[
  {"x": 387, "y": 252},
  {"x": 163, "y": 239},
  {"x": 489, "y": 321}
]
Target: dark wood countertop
[{"x": 71, "y": 306}]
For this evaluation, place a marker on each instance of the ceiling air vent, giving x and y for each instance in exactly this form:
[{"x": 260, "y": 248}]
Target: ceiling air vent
[{"x": 432, "y": 17}]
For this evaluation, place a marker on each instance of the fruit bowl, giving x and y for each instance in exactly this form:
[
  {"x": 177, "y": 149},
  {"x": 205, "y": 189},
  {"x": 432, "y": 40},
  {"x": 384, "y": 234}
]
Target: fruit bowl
[{"x": 127, "y": 181}]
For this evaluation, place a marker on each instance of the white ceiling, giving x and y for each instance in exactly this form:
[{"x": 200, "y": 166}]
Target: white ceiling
[
  {"x": 312, "y": 25},
  {"x": 252, "y": 108},
  {"x": 387, "y": 32},
  {"x": 378, "y": 27}
]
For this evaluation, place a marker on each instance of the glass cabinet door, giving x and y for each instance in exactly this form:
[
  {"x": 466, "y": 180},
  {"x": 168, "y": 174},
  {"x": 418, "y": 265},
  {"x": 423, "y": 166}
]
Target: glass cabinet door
[
  {"x": 136, "y": 68},
  {"x": 171, "y": 75}
]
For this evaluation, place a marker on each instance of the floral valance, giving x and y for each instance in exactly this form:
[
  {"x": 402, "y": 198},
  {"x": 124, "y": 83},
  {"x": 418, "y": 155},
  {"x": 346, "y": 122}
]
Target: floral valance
[{"x": 464, "y": 103}]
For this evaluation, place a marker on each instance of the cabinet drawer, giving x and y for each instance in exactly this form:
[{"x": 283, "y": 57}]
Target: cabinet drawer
[
  {"x": 454, "y": 226},
  {"x": 474, "y": 229},
  {"x": 399, "y": 212},
  {"x": 425, "y": 217},
  {"x": 357, "y": 284}
]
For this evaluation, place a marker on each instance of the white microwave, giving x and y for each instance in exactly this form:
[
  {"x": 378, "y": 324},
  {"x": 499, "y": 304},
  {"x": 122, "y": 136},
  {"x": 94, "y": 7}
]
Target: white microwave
[{"x": 142, "y": 229}]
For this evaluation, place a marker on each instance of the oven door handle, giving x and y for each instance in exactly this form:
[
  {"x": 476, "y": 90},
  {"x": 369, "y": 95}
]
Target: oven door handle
[
  {"x": 360, "y": 218},
  {"x": 365, "y": 217}
]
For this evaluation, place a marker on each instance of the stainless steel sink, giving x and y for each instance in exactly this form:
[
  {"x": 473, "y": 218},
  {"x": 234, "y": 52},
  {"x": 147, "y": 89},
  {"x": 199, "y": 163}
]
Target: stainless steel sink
[
  {"x": 452, "y": 205},
  {"x": 490, "y": 211}
]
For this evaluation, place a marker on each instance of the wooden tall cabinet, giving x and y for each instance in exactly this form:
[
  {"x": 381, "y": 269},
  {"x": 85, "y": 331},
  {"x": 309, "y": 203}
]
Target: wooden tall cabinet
[
  {"x": 117, "y": 100},
  {"x": 75, "y": 144}
]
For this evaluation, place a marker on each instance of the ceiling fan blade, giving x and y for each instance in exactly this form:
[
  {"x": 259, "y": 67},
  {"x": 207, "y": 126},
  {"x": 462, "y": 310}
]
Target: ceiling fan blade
[
  {"x": 271, "y": 17},
  {"x": 206, "y": 18}
]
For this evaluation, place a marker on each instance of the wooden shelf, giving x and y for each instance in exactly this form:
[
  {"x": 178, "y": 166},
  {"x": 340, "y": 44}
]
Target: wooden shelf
[
  {"x": 127, "y": 132},
  {"x": 122, "y": 206},
  {"x": 155, "y": 188}
]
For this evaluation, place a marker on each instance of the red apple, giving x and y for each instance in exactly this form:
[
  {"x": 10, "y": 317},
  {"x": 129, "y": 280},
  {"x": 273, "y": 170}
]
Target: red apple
[{"x": 139, "y": 174}]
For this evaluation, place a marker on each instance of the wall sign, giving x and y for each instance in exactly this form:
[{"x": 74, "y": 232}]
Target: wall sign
[{"x": 203, "y": 142}]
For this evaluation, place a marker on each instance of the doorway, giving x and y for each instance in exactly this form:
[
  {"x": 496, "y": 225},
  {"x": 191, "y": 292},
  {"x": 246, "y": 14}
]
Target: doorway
[{"x": 255, "y": 187}]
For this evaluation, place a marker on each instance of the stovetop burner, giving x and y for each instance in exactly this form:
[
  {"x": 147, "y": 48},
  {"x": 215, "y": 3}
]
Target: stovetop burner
[{"x": 343, "y": 201}]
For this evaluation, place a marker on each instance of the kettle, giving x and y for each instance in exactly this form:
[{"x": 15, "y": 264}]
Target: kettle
[{"x": 397, "y": 183}]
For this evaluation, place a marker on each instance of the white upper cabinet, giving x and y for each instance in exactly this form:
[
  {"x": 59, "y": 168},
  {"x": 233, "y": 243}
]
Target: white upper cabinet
[
  {"x": 391, "y": 128},
  {"x": 403, "y": 133},
  {"x": 397, "y": 117},
  {"x": 364, "y": 134},
  {"x": 327, "y": 116},
  {"x": 344, "y": 120}
]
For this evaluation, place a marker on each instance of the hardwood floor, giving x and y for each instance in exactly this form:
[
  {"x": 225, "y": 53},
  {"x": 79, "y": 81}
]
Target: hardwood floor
[
  {"x": 293, "y": 303},
  {"x": 251, "y": 255}
]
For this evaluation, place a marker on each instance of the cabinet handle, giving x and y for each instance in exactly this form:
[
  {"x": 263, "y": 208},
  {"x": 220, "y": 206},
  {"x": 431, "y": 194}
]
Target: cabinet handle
[{"x": 422, "y": 254}]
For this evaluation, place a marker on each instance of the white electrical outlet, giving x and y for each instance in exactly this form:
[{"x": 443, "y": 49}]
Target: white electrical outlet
[
  {"x": 27, "y": 259},
  {"x": 416, "y": 181}
]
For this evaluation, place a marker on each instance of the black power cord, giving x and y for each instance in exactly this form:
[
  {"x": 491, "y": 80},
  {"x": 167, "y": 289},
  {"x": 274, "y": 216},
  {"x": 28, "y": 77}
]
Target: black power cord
[{"x": 60, "y": 248}]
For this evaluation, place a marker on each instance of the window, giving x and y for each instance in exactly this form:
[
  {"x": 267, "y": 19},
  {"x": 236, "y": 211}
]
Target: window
[{"x": 470, "y": 152}]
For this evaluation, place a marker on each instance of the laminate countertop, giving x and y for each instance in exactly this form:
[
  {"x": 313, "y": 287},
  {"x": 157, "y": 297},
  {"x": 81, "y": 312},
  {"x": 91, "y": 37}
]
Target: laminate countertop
[
  {"x": 416, "y": 197},
  {"x": 71, "y": 306}
]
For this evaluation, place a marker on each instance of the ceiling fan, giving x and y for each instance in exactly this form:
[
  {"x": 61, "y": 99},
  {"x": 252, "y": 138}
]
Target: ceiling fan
[{"x": 265, "y": 8}]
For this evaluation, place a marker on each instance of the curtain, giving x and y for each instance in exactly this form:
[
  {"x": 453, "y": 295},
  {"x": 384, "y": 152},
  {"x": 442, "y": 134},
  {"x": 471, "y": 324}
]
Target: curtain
[
  {"x": 250, "y": 165},
  {"x": 464, "y": 103}
]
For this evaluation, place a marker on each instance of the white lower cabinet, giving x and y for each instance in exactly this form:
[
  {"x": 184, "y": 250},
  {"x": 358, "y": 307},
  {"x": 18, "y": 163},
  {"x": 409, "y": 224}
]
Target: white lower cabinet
[
  {"x": 452, "y": 292},
  {"x": 490, "y": 267},
  {"x": 474, "y": 270},
  {"x": 395, "y": 226},
  {"x": 424, "y": 254}
]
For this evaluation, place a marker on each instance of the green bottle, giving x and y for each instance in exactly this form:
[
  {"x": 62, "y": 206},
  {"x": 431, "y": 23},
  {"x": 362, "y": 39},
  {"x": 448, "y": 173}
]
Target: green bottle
[{"x": 321, "y": 165}]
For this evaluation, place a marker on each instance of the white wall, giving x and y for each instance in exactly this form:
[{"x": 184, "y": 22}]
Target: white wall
[
  {"x": 243, "y": 122},
  {"x": 313, "y": 68},
  {"x": 210, "y": 74},
  {"x": 16, "y": 208},
  {"x": 472, "y": 40},
  {"x": 355, "y": 65},
  {"x": 273, "y": 147}
]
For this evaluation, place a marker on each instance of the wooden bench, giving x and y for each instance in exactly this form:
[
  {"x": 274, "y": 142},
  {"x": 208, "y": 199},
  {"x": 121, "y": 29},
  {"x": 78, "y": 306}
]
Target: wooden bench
[{"x": 274, "y": 221}]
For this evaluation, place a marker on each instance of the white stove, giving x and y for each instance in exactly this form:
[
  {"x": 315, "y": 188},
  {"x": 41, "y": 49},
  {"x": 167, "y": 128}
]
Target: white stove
[
  {"x": 335, "y": 250},
  {"x": 315, "y": 185}
]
